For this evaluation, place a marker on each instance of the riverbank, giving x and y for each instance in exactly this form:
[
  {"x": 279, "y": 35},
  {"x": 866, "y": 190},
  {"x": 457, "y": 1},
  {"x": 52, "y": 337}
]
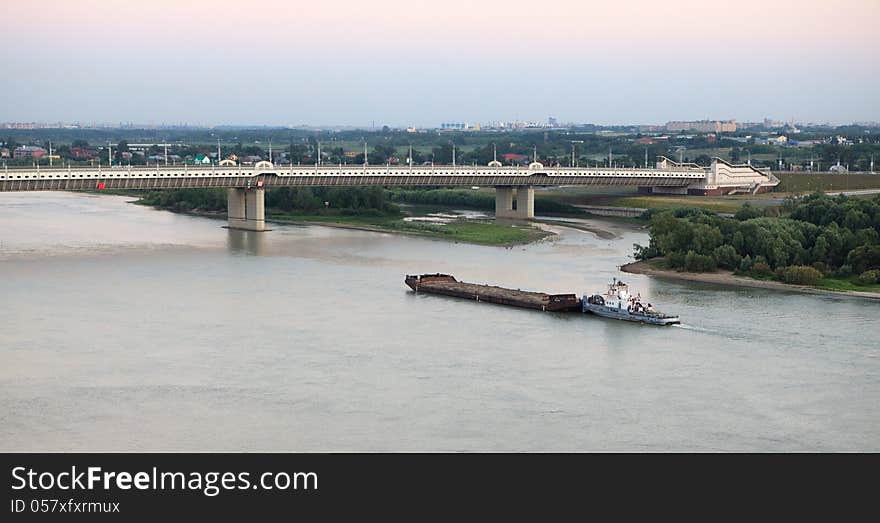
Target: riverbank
[{"x": 722, "y": 277}]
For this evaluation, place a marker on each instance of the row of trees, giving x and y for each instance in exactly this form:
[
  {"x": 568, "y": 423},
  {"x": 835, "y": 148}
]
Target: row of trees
[
  {"x": 289, "y": 200},
  {"x": 821, "y": 236}
]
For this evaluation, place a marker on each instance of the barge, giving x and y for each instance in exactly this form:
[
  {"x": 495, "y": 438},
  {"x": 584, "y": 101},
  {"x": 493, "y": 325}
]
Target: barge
[{"x": 447, "y": 285}]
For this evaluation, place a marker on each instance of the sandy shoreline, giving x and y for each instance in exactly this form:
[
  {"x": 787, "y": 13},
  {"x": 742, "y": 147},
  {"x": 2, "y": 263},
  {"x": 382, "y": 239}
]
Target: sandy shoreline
[{"x": 728, "y": 278}]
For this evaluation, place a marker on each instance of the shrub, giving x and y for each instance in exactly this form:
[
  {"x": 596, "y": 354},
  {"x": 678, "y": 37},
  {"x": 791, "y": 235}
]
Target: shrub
[
  {"x": 845, "y": 271},
  {"x": 640, "y": 252},
  {"x": 761, "y": 268},
  {"x": 747, "y": 212},
  {"x": 675, "y": 259},
  {"x": 869, "y": 277},
  {"x": 779, "y": 273},
  {"x": 694, "y": 262},
  {"x": 864, "y": 258},
  {"x": 822, "y": 267},
  {"x": 725, "y": 256},
  {"x": 801, "y": 275},
  {"x": 745, "y": 265}
]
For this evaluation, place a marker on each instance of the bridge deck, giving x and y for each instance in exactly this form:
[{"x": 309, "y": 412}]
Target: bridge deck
[{"x": 16, "y": 179}]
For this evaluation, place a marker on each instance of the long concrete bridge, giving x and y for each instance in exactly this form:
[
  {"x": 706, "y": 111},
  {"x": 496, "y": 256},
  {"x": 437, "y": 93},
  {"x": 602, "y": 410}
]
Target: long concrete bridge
[{"x": 514, "y": 186}]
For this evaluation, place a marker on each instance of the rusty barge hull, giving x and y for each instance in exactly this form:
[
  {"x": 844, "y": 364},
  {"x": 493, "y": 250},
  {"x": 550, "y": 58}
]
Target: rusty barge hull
[{"x": 447, "y": 285}]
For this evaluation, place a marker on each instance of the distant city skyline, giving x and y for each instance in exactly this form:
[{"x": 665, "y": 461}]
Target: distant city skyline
[
  {"x": 550, "y": 122},
  {"x": 414, "y": 62}
]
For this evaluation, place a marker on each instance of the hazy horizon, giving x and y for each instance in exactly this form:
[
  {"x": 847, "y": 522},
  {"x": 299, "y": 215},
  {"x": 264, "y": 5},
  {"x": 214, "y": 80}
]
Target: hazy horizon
[{"x": 400, "y": 63}]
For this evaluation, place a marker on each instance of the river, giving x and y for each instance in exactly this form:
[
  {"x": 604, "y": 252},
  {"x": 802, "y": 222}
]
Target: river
[{"x": 126, "y": 328}]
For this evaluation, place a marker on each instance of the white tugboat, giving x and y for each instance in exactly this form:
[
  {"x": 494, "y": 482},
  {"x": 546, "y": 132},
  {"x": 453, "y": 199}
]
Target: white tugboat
[{"x": 619, "y": 304}]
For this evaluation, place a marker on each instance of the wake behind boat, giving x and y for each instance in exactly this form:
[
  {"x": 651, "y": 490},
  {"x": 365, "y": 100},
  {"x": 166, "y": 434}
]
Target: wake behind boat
[{"x": 617, "y": 303}]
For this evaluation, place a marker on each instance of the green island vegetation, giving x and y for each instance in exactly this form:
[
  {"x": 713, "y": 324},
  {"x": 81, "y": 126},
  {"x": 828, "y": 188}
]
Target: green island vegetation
[
  {"x": 473, "y": 199},
  {"x": 367, "y": 208},
  {"x": 818, "y": 240}
]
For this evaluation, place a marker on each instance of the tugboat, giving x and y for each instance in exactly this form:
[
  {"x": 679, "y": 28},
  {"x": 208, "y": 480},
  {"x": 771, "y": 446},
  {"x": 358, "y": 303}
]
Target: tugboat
[{"x": 619, "y": 304}]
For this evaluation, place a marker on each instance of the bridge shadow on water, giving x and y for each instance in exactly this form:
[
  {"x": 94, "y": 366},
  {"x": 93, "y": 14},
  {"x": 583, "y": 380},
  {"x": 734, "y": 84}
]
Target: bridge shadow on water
[{"x": 246, "y": 242}]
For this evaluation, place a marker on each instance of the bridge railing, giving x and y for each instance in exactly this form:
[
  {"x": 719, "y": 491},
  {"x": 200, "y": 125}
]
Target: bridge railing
[{"x": 305, "y": 170}]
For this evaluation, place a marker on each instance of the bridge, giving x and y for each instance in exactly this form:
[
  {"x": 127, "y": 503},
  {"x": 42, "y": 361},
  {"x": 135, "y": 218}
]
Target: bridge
[{"x": 514, "y": 186}]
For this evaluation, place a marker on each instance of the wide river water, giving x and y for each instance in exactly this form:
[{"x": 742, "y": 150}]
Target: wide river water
[{"x": 130, "y": 329}]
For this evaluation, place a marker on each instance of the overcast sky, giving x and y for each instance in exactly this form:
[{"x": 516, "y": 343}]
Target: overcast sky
[{"x": 403, "y": 62}]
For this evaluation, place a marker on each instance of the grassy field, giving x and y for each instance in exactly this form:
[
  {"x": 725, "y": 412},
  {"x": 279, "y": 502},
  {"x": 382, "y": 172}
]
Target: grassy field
[
  {"x": 628, "y": 197},
  {"x": 809, "y": 182},
  {"x": 836, "y": 284},
  {"x": 723, "y": 205},
  {"x": 469, "y": 231}
]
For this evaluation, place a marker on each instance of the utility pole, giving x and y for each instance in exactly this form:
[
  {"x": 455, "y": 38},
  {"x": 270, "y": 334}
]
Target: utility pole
[
  {"x": 110, "y": 153},
  {"x": 218, "y": 151},
  {"x": 50, "y": 153},
  {"x": 166, "y": 151},
  {"x": 453, "y": 154},
  {"x": 270, "y": 151},
  {"x": 646, "y": 157},
  {"x": 365, "y": 153}
]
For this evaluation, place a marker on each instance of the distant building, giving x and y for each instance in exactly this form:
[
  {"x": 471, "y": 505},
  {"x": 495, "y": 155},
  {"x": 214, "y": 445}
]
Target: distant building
[
  {"x": 4, "y": 153},
  {"x": 83, "y": 153},
  {"x": 515, "y": 158},
  {"x": 703, "y": 126},
  {"x": 202, "y": 159},
  {"x": 28, "y": 151}
]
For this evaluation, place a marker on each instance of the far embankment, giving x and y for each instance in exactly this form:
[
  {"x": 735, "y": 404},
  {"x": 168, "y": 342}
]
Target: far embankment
[{"x": 656, "y": 268}]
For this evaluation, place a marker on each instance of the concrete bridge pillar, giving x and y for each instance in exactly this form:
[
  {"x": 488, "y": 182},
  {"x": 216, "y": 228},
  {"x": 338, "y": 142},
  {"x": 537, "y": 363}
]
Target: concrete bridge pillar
[
  {"x": 525, "y": 202},
  {"x": 246, "y": 209},
  {"x": 504, "y": 202}
]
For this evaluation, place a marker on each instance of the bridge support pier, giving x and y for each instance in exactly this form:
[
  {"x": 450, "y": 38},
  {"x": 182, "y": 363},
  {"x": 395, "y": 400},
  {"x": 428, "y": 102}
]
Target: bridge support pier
[
  {"x": 524, "y": 196},
  {"x": 245, "y": 209}
]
